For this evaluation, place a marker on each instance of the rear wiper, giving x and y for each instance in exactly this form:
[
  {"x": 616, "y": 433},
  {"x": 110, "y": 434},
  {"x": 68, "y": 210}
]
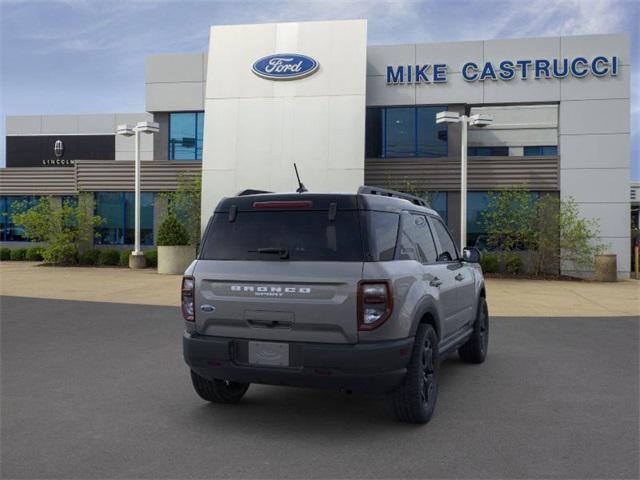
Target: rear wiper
[{"x": 283, "y": 252}]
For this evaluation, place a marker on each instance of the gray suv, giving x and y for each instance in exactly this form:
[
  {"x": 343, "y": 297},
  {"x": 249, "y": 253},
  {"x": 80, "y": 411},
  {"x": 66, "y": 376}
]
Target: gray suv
[{"x": 359, "y": 292}]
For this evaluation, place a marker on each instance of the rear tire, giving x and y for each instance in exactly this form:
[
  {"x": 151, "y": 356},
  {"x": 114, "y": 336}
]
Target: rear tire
[
  {"x": 415, "y": 400},
  {"x": 475, "y": 350},
  {"x": 218, "y": 391}
]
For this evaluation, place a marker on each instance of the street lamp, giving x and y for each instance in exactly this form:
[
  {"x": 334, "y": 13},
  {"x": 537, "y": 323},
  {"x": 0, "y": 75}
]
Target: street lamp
[
  {"x": 477, "y": 120},
  {"x": 136, "y": 259}
]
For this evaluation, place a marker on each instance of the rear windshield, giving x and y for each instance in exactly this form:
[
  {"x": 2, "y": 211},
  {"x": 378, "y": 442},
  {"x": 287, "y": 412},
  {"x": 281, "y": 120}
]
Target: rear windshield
[{"x": 284, "y": 236}]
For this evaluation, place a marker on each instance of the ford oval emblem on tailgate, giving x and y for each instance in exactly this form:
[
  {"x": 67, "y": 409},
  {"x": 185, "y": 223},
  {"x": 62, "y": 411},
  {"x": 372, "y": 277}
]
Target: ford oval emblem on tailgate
[
  {"x": 207, "y": 308},
  {"x": 285, "y": 66}
]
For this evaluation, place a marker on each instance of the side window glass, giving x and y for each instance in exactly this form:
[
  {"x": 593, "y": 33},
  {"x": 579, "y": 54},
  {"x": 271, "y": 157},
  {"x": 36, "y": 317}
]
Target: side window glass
[
  {"x": 384, "y": 227},
  {"x": 424, "y": 239},
  {"x": 448, "y": 248},
  {"x": 408, "y": 244}
]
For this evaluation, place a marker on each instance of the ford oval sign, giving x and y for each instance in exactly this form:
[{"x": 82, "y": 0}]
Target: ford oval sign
[{"x": 285, "y": 66}]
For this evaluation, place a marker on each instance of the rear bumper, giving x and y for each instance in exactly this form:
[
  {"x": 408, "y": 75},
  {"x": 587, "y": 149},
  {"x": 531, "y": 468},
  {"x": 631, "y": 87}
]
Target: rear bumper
[{"x": 365, "y": 367}]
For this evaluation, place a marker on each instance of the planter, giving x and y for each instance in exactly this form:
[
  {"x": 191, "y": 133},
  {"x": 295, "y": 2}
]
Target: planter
[
  {"x": 606, "y": 268},
  {"x": 174, "y": 260}
]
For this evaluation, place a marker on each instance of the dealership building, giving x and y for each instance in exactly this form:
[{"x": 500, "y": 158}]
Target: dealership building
[{"x": 265, "y": 96}]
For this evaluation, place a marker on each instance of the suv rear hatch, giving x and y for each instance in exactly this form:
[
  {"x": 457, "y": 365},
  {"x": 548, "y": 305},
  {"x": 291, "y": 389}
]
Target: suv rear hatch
[{"x": 282, "y": 268}]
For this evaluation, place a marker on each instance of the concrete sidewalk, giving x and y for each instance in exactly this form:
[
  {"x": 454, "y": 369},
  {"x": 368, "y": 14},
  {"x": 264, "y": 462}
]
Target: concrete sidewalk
[{"x": 530, "y": 298}]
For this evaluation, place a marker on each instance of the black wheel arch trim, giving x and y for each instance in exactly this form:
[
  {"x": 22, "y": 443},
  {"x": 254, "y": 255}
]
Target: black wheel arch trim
[{"x": 427, "y": 308}]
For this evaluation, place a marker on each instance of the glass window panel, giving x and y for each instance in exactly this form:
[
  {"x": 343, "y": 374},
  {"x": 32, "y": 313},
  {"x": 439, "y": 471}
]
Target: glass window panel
[
  {"x": 438, "y": 202},
  {"x": 14, "y": 204},
  {"x": 423, "y": 238},
  {"x": 488, "y": 151},
  {"x": 384, "y": 232},
  {"x": 146, "y": 218},
  {"x": 532, "y": 151},
  {"x": 400, "y": 130},
  {"x": 183, "y": 136},
  {"x": 4, "y": 217},
  {"x": 374, "y": 132},
  {"x": 199, "y": 134},
  {"x": 477, "y": 202},
  {"x": 306, "y": 235},
  {"x": 109, "y": 206},
  {"x": 448, "y": 249},
  {"x": 432, "y": 137},
  {"x": 550, "y": 150}
]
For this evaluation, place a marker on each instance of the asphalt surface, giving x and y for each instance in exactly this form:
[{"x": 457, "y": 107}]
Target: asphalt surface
[{"x": 97, "y": 390}]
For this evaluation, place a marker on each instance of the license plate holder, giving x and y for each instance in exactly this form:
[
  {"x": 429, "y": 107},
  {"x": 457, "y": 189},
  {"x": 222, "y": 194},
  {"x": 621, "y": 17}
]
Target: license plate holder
[{"x": 269, "y": 353}]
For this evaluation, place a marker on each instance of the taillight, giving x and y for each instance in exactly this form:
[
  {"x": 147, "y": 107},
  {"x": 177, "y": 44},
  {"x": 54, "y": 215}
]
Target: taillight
[
  {"x": 375, "y": 303},
  {"x": 187, "y": 302}
]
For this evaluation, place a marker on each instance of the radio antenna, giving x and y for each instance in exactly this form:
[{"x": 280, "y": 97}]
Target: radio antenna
[{"x": 301, "y": 188}]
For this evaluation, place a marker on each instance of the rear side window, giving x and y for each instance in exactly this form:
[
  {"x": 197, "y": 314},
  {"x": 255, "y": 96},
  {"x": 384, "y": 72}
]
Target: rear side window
[
  {"x": 416, "y": 242},
  {"x": 448, "y": 248},
  {"x": 306, "y": 235},
  {"x": 383, "y": 235}
]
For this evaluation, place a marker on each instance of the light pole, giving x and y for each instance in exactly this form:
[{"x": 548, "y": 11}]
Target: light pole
[
  {"x": 136, "y": 259},
  {"x": 477, "y": 120}
]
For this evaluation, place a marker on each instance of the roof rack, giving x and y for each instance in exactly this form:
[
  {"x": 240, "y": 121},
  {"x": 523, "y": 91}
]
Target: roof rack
[
  {"x": 251, "y": 191},
  {"x": 392, "y": 193}
]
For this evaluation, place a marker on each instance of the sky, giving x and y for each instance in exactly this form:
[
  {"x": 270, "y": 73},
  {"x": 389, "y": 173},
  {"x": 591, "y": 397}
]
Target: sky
[{"x": 87, "y": 56}]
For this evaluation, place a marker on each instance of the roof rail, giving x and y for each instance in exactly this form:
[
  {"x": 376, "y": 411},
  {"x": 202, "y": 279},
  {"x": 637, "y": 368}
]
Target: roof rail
[
  {"x": 392, "y": 193},
  {"x": 251, "y": 191}
]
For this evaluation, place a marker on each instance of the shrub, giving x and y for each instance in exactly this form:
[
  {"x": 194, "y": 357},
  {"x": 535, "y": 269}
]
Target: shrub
[
  {"x": 513, "y": 263},
  {"x": 109, "y": 257},
  {"x": 172, "y": 232},
  {"x": 490, "y": 263},
  {"x": 5, "y": 253},
  {"x": 34, "y": 254},
  {"x": 18, "y": 254},
  {"x": 152, "y": 257},
  {"x": 61, "y": 254},
  {"x": 90, "y": 257},
  {"x": 61, "y": 227},
  {"x": 124, "y": 258}
]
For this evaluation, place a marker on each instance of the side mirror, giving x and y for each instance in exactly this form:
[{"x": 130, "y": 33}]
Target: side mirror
[{"x": 471, "y": 255}]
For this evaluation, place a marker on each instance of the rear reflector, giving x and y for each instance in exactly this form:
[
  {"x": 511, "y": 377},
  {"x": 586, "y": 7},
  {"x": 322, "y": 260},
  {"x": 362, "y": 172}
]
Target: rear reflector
[{"x": 284, "y": 204}]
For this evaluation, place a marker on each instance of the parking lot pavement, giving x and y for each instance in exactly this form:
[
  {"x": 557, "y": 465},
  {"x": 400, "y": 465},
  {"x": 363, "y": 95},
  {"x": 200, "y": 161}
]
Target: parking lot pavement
[{"x": 99, "y": 390}]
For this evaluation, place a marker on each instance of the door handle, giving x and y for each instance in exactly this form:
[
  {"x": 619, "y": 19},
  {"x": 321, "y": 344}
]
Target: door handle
[
  {"x": 436, "y": 282},
  {"x": 459, "y": 277}
]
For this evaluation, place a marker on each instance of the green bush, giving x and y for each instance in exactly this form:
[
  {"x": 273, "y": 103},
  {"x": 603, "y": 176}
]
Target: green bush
[
  {"x": 124, "y": 258},
  {"x": 5, "y": 253},
  {"x": 90, "y": 257},
  {"x": 490, "y": 263},
  {"x": 61, "y": 254},
  {"x": 152, "y": 257},
  {"x": 172, "y": 232},
  {"x": 513, "y": 264},
  {"x": 18, "y": 254},
  {"x": 34, "y": 254},
  {"x": 109, "y": 257}
]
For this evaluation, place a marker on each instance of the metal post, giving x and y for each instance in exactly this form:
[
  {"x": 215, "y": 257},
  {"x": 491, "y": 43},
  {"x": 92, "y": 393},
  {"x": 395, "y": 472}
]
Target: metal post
[
  {"x": 136, "y": 248},
  {"x": 463, "y": 184}
]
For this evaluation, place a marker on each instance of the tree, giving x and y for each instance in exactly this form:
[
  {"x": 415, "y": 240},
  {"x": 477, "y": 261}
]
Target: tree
[
  {"x": 62, "y": 227},
  {"x": 578, "y": 236},
  {"x": 549, "y": 228},
  {"x": 184, "y": 203},
  {"x": 508, "y": 219}
]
